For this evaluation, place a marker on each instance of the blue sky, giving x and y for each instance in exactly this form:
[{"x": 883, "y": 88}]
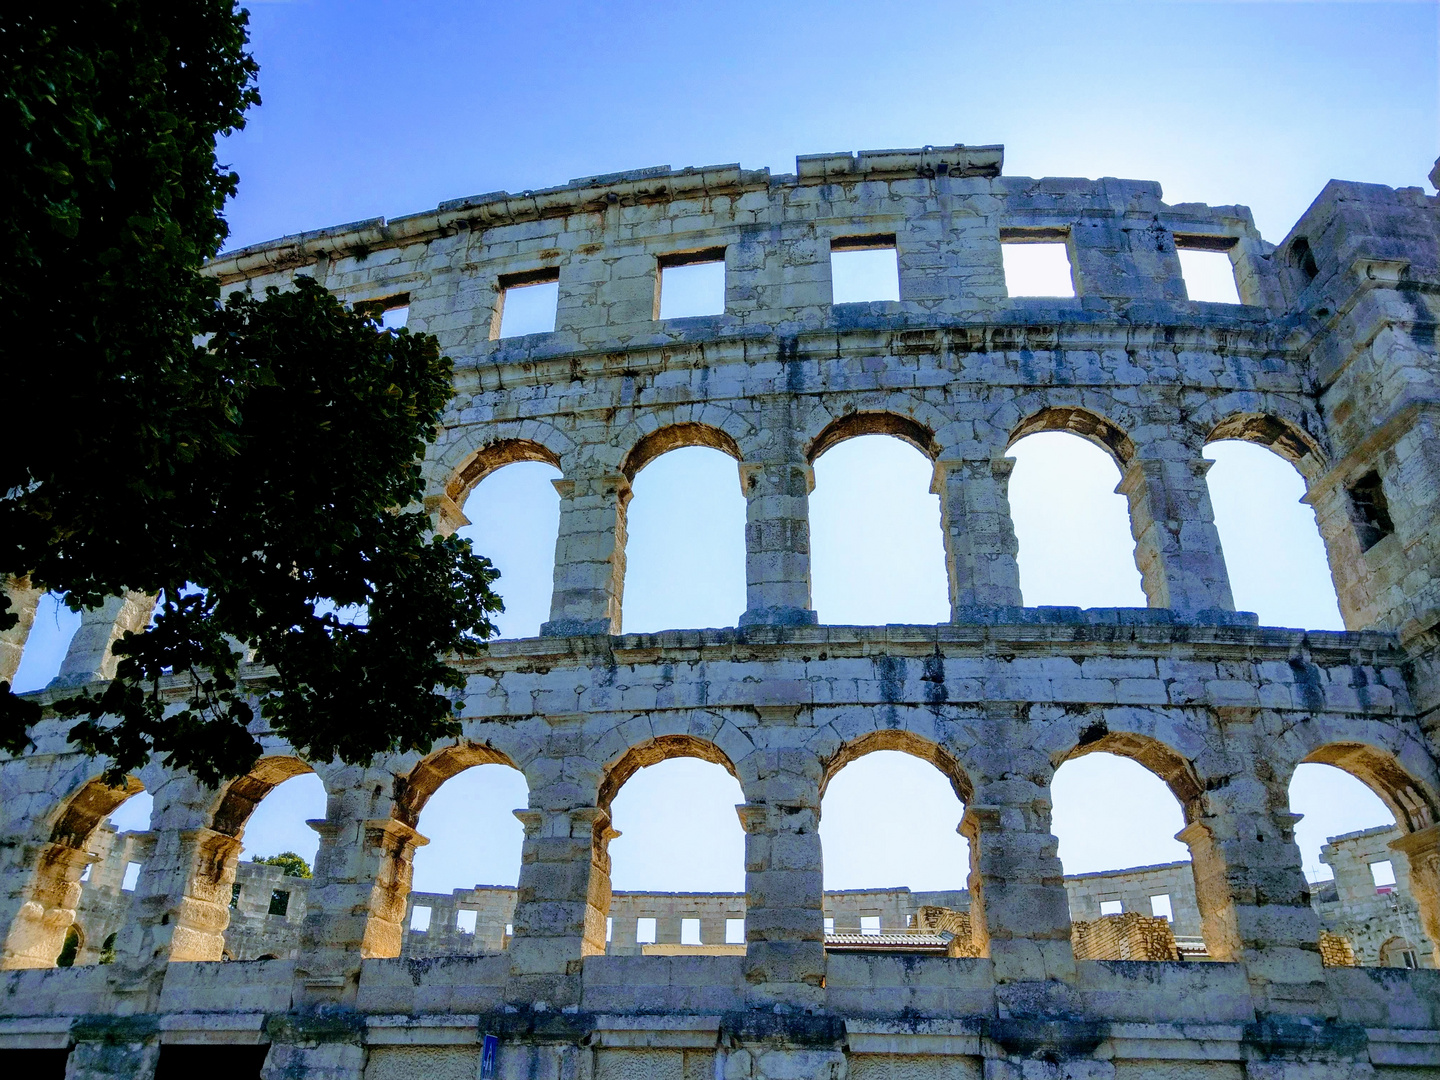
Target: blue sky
[{"x": 388, "y": 108}]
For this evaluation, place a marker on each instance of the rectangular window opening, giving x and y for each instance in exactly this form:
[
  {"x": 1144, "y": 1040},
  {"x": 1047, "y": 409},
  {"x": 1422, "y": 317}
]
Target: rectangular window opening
[
  {"x": 734, "y": 931},
  {"x": 527, "y": 303},
  {"x": 864, "y": 269},
  {"x": 645, "y": 931},
  {"x": 465, "y": 920},
  {"x": 1160, "y": 907},
  {"x": 392, "y": 312},
  {"x": 1383, "y": 873},
  {"x": 1370, "y": 510},
  {"x": 85, "y": 874},
  {"x": 131, "y": 878},
  {"x": 609, "y": 929},
  {"x": 1207, "y": 269},
  {"x": 869, "y": 924},
  {"x": 690, "y": 284},
  {"x": 1037, "y": 262},
  {"x": 1111, "y": 907},
  {"x": 235, "y": 895},
  {"x": 690, "y": 932},
  {"x": 420, "y": 919},
  {"x": 509, "y": 930},
  {"x": 279, "y": 902}
]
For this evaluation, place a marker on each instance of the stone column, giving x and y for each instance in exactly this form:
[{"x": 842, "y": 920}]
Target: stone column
[
  {"x": 563, "y": 898},
  {"x": 777, "y": 542},
  {"x": 1019, "y": 911},
  {"x": 46, "y": 907},
  {"x": 784, "y": 881},
  {"x": 182, "y": 902},
  {"x": 589, "y": 556},
  {"x": 356, "y": 905},
  {"x": 1177, "y": 548},
  {"x": 89, "y": 657},
  {"x": 1422, "y": 848},
  {"x": 980, "y": 544},
  {"x": 23, "y": 598},
  {"x": 1355, "y": 585},
  {"x": 114, "y": 1048},
  {"x": 1253, "y": 898}
]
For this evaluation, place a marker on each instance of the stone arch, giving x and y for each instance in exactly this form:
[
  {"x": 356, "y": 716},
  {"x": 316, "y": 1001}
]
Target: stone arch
[
  {"x": 46, "y": 907},
  {"x": 675, "y": 436},
  {"x": 906, "y": 742},
  {"x": 1176, "y": 770},
  {"x": 480, "y": 463},
  {"x": 1381, "y": 771},
  {"x": 240, "y": 797},
  {"x": 1082, "y": 421},
  {"x": 414, "y": 788},
  {"x": 1269, "y": 422},
  {"x": 652, "y": 752},
  {"x": 852, "y": 425}
]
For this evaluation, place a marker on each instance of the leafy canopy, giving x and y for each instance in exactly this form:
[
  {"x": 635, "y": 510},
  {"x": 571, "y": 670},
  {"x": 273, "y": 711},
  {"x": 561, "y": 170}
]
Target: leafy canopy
[
  {"x": 292, "y": 864},
  {"x": 252, "y": 463}
]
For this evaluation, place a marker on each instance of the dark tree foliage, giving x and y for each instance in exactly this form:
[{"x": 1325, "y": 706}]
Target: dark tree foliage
[{"x": 258, "y": 481}]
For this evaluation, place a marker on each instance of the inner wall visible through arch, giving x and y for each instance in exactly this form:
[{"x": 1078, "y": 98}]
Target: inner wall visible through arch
[{"x": 877, "y": 554}]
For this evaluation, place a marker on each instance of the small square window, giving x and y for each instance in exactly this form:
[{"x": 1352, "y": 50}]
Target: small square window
[
  {"x": 1160, "y": 907},
  {"x": 509, "y": 930},
  {"x": 829, "y": 926},
  {"x": 420, "y": 919},
  {"x": 1111, "y": 907},
  {"x": 645, "y": 931},
  {"x": 395, "y": 318},
  {"x": 690, "y": 284},
  {"x": 1206, "y": 267},
  {"x": 131, "y": 878},
  {"x": 1037, "y": 263},
  {"x": 689, "y": 931},
  {"x": 527, "y": 304},
  {"x": 864, "y": 269},
  {"x": 734, "y": 931},
  {"x": 1383, "y": 873},
  {"x": 391, "y": 312},
  {"x": 1370, "y": 510},
  {"x": 870, "y": 924},
  {"x": 279, "y": 902},
  {"x": 465, "y": 920}
]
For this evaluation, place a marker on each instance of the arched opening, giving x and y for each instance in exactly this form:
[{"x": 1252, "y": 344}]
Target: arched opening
[
  {"x": 74, "y": 939},
  {"x": 1357, "y": 807},
  {"x": 1116, "y": 812},
  {"x": 676, "y": 851},
  {"x": 1073, "y": 527},
  {"x": 46, "y": 644},
  {"x": 261, "y": 862},
  {"x": 896, "y": 867},
  {"x": 685, "y": 526},
  {"x": 462, "y": 882},
  {"x": 877, "y": 552},
  {"x": 514, "y": 514},
  {"x": 63, "y": 876},
  {"x": 1273, "y": 549}
]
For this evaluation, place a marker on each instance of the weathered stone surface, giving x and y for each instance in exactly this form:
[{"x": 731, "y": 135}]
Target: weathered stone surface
[{"x": 1330, "y": 361}]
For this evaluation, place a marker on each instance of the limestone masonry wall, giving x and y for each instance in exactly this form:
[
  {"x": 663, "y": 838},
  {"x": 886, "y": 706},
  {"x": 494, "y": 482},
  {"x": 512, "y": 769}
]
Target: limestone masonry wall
[{"x": 1329, "y": 360}]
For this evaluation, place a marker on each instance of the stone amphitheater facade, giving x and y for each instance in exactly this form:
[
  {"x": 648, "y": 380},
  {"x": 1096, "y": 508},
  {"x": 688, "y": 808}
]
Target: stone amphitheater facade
[{"x": 1330, "y": 361}]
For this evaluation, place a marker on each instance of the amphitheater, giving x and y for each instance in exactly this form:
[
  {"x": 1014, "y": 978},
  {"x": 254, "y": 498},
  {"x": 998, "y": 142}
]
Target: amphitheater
[{"x": 1329, "y": 360}]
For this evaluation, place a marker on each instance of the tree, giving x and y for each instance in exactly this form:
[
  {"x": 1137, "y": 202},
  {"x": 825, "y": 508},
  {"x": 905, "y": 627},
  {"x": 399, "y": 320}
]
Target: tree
[
  {"x": 292, "y": 864},
  {"x": 254, "y": 464}
]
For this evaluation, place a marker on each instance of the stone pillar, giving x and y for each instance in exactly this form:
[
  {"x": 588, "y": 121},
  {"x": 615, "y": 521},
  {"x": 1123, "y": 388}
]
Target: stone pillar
[
  {"x": 46, "y": 907},
  {"x": 356, "y": 905},
  {"x": 89, "y": 657},
  {"x": 1177, "y": 548},
  {"x": 23, "y": 597},
  {"x": 1355, "y": 586},
  {"x": 562, "y": 900},
  {"x": 183, "y": 898},
  {"x": 777, "y": 542},
  {"x": 1019, "y": 911},
  {"x": 589, "y": 556},
  {"x": 784, "y": 881},
  {"x": 1253, "y": 898},
  {"x": 116, "y": 1048},
  {"x": 1422, "y": 848},
  {"x": 980, "y": 544}
]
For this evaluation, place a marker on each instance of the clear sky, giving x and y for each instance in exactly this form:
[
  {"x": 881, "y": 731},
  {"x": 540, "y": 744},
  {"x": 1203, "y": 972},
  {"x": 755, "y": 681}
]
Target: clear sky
[{"x": 381, "y": 109}]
